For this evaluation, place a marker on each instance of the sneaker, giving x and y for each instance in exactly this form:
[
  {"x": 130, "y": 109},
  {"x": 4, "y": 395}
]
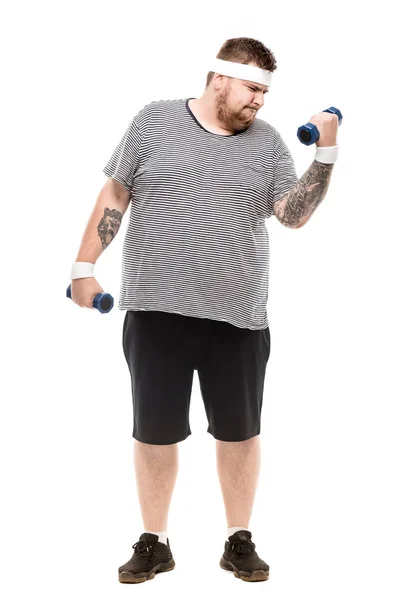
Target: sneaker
[
  {"x": 241, "y": 558},
  {"x": 149, "y": 557}
]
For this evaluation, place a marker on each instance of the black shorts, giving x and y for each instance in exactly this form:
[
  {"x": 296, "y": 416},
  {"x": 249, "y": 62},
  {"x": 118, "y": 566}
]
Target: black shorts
[{"x": 162, "y": 351}]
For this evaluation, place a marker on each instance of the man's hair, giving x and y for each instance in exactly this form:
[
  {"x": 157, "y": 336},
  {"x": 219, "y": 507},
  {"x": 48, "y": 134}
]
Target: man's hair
[{"x": 245, "y": 50}]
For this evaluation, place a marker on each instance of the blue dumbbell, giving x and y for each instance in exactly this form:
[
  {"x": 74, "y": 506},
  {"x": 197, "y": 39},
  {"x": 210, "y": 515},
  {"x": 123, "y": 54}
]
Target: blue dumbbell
[
  {"x": 102, "y": 302},
  {"x": 308, "y": 134}
]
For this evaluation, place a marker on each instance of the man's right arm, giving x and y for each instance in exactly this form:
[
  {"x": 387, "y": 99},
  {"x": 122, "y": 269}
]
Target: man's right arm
[{"x": 104, "y": 221}]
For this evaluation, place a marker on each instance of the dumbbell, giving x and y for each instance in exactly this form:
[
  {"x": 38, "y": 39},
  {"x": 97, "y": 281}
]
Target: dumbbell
[
  {"x": 102, "y": 302},
  {"x": 308, "y": 134}
]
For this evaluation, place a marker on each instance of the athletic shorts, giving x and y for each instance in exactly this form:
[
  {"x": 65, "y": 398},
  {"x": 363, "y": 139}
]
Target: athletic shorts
[{"x": 162, "y": 351}]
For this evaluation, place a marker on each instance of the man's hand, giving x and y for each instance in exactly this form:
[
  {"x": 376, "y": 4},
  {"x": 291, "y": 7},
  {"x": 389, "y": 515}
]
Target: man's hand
[
  {"x": 83, "y": 291},
  {"x": 327, "y": 125}
]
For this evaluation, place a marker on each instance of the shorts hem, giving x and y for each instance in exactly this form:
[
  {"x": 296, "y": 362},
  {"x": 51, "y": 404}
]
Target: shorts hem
[
  {"x": 153, "y": 443},
  {"x": 242, "y": 439}
]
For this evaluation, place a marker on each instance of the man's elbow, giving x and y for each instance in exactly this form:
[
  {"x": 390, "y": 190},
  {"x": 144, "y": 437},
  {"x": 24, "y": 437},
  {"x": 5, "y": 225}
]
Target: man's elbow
[
  {"x": 291, "y": 225},
  {"x": 285, "y": 213},
  {"x": 301, "y": 223},
  {"x": 286, "y": 217}
]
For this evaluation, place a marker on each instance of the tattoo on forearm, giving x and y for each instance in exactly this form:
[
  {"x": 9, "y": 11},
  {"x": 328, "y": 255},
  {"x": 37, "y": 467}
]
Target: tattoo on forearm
[
  {"x": 109, "y": 225},
  {"x": 308, "y": 194}
]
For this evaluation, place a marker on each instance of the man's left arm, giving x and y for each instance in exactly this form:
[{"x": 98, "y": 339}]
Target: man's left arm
[{"x": 297, "y": 206}]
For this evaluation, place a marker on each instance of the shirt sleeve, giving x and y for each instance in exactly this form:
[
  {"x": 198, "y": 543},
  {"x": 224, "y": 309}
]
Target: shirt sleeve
[
  {"x": 124, "y": 161},
  {"x": 285, "y": 176}
]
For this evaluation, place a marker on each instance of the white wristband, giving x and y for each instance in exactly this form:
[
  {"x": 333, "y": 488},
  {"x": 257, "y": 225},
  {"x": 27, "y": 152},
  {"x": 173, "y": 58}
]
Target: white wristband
[
  {"x": 327, "y": 154},
  {"x": 82, "y": 269}
]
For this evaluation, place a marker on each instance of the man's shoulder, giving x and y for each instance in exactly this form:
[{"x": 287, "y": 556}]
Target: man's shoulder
[
  {"x": 265, "y": 126},
  {"x": 164, "y": 104},
  {"x": 269, "y": 132},
  {"x": 149, "y": 111}
]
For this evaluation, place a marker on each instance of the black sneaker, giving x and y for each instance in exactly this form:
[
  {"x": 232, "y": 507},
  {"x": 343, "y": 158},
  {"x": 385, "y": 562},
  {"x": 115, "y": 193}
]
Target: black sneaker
[
  {"x": 149, "y": 557},
  {"x": 240, "y": 556}
]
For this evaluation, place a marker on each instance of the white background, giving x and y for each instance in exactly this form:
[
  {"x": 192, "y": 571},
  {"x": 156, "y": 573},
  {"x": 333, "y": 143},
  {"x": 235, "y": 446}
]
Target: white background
[{"x": 326, "y": 515}]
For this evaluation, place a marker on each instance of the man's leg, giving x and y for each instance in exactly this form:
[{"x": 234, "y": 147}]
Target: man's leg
[
  {"x": 238, "y": 465},
  {"x": 156, "y": 469}
]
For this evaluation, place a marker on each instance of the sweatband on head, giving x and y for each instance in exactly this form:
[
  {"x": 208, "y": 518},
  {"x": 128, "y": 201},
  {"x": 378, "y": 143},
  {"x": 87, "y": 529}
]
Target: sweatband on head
[{"x": 240, "y": 71}]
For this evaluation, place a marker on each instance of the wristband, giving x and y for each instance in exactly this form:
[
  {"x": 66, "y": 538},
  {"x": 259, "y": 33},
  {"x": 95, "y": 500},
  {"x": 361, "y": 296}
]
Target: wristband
[
  {"x": 327, "y": 154},
  {"x": 82, "y": 269}
]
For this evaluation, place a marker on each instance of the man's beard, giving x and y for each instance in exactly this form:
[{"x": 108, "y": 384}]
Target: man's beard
[{"x": 232, "y": 121}]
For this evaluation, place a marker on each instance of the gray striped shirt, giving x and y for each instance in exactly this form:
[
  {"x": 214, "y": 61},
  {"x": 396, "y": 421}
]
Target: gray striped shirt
[{"x": 196, "y": 242}]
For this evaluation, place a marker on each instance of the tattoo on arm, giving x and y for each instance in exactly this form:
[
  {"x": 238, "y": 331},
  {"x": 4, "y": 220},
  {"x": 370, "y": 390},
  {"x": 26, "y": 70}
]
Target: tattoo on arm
[
  {"x": 304, "y": 198},
  {"x": 109, "y": 225}
]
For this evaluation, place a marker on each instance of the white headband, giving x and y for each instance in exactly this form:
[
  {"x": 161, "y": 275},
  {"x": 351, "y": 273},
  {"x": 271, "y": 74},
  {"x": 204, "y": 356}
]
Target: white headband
[{"x": 240, "y": 71}]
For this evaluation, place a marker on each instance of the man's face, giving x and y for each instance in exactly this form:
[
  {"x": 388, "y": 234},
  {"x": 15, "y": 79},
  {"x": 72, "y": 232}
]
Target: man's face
[{"x": 238, "y": 102}]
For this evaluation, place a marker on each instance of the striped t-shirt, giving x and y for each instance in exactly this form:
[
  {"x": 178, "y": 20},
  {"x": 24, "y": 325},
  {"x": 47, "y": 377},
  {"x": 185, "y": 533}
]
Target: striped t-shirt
[{"x": 196, "y": 242}]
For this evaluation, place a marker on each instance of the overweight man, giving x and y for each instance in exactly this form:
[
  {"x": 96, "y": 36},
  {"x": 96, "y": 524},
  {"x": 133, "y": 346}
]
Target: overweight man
[{"x": 201, "y": 176}]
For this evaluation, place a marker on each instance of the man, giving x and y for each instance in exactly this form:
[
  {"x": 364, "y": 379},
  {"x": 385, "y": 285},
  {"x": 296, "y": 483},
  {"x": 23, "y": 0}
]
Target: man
[{"x": 201, "y": 175}]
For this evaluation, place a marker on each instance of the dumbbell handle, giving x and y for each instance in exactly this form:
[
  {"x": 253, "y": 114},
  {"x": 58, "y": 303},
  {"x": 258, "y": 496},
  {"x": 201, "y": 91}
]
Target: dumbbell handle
[
  {"x": 308, "y": 134},
  {"x": 102, "y": 302}
]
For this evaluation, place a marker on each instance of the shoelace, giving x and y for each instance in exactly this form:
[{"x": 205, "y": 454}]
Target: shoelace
[
  {"x": 143, "y": 549},
  {"x": 242, "y": 548}
]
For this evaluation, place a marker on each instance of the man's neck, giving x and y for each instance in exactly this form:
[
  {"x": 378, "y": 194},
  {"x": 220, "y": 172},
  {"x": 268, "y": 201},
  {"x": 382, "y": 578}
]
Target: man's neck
[{"x": 204, "y": 111}]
